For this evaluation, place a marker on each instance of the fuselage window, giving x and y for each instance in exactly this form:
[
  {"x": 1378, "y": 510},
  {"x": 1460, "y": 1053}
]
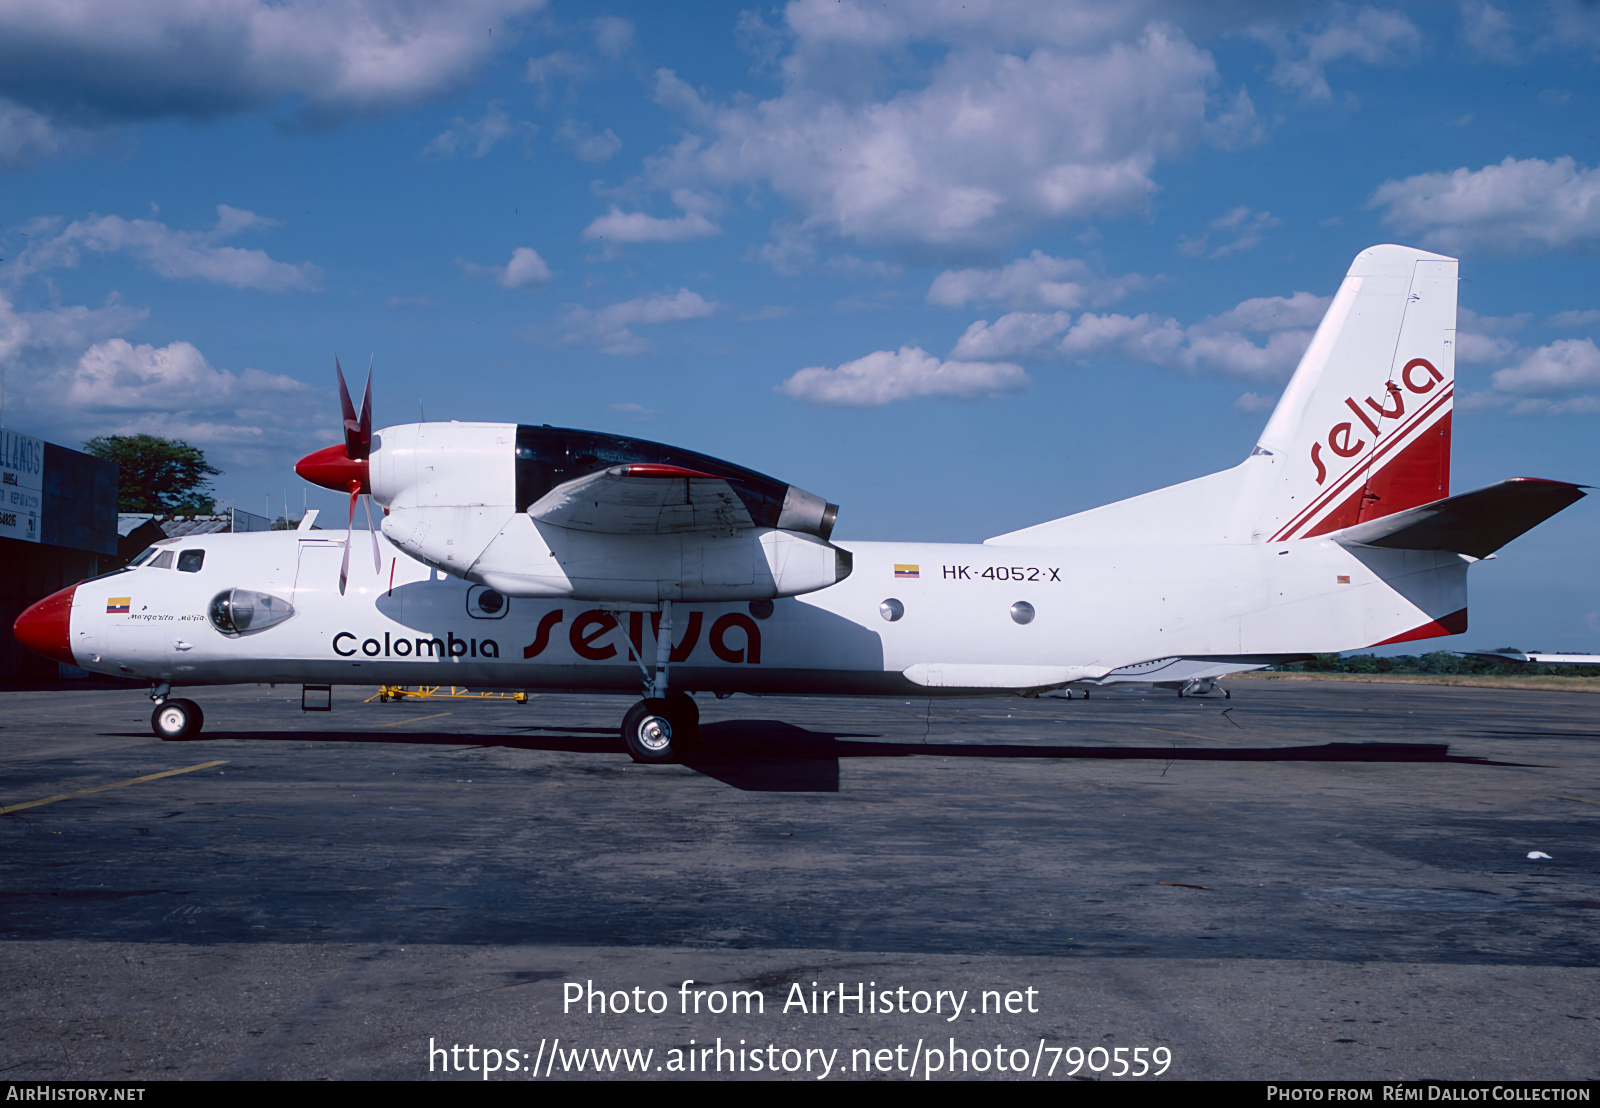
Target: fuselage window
[
  {"x": 190, "y": 561},
  {"x": 162, "y": 560}
]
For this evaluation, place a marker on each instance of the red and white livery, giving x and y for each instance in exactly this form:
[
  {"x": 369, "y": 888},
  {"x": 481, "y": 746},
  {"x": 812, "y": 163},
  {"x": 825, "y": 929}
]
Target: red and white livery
[{"x": 534, "y": 557}]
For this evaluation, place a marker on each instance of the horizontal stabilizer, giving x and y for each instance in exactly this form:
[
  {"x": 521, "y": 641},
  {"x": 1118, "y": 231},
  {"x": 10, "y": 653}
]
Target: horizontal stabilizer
[{"x": 1475, "y": 523}]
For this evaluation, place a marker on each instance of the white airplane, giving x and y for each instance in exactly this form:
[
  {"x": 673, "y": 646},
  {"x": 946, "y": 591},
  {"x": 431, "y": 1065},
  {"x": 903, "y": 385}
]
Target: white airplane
[
  {"x": 533, "y": 557},
  {"x": 1524, "y": 658}
]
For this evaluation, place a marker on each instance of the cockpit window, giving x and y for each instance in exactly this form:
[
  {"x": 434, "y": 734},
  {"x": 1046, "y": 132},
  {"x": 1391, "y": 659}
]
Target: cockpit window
[
  {"x": 190, "y": 561},
  {"x": 142, "y": 557},
  {"x": 162, "y": 560}
]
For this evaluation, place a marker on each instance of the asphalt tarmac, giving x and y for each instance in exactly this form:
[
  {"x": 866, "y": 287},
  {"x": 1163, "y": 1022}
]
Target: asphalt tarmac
[{"x": 1310, "y": 880}]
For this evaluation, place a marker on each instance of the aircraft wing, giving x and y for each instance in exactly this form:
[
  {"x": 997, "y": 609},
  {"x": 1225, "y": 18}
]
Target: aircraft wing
[
  {"x": 1475, "y": 523},
  {"x": 642, "y": 498}
]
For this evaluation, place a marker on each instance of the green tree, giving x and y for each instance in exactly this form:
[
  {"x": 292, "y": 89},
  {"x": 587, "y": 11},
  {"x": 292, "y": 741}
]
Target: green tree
[{"x": 164, "y": 476}]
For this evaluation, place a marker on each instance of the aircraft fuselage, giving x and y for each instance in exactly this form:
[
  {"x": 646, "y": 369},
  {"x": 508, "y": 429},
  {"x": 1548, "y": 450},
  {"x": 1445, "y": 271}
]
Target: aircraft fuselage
[{"x": 968, "y": 617}]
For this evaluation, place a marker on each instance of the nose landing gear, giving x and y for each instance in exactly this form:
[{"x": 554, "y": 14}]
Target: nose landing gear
[{"x": 177, "y": 720}]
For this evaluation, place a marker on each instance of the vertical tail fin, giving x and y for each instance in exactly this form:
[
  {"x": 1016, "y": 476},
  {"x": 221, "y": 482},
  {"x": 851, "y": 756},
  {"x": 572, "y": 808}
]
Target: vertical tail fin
[{"x": 1363, "y": 430}]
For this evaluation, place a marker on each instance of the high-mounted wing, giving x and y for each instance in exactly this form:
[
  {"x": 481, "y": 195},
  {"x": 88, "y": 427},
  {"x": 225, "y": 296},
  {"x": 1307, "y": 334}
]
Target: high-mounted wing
[{"x": 537, "y": 511}]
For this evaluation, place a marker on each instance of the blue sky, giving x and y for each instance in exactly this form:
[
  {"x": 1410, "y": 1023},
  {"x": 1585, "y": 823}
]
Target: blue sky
[{"x": 959, "y": 267}]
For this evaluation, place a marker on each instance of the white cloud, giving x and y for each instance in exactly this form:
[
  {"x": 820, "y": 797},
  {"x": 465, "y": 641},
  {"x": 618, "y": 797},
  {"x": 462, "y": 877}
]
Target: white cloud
[
  {"x": 1516, "y": 207},
  {"x": 1012, "y": 335},
  {"x": 1038, "y": 281},
  {"x": 1030, "y": 114},
  {"x": 114, "y": 60},
  {"x": 27, "y": 137},
  {"x": 525, "y": 268},
  {"x": 1476, "y": 349},
  {"x": 170, "y": 253},
  {"x": 911, "y": 372},
  {"x": 1241, "y": 225},
  {"x": 1487, "y": 30},
  {"x": 1363, "y": 35},
  {"x": 68, "y": 379},
  {"x": 609, "y": 327},
  {"x": 1254, "y": 402},
  {"x": 613, "y": 36},
  {"x": 586, "y": 145},
  {"x": 474, "y": 140},
  {"x": 1222, "y": 343},
  {"x": 617, "y": 226},
  {"x": 1578, "y": 405},
  {"x": 1567, "y": 365},
  {"x": 562, "y": 65},
  {"x": 1584, "y": 318}
]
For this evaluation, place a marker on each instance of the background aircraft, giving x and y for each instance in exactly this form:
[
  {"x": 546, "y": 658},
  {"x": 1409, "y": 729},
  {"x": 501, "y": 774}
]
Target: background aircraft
[
  {"x": 1538, "y": 659},
  {"x": 538, "y": 557}
]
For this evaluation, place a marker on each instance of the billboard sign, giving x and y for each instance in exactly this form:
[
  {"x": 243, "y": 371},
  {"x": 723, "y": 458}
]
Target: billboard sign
[{"x": 21, "y": 486}]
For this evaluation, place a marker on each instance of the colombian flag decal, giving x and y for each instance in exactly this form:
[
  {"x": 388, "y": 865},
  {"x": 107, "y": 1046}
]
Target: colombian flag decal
[
  {"x": 906, "y": 571},
  {"x": 118, "y": 605}
]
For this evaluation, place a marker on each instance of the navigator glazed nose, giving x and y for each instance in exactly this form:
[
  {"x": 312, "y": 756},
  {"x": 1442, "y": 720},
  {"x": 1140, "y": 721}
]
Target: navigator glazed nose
[{"x": 45, "y": 627}]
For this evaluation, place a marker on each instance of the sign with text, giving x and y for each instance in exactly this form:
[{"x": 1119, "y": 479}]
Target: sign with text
[{"x": 21, "y": 486}]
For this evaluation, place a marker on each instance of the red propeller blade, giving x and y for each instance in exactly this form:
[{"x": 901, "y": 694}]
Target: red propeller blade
[
  {"x": 366, "y": 416},
  {"x": 357, "y": 429}
]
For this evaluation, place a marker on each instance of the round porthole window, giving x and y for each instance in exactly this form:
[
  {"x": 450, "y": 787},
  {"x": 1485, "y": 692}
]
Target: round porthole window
[
  {"x": 490, "y": 602},
  {"x": 761, "y": 609},
  {"x": 1022, "y": 612},
  {"x": 891, "y": 609}
]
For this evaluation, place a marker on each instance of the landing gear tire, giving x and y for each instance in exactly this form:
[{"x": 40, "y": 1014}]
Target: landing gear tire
[
  {"x": 651, "y": 733},
  {"x": 177, "y": 720}
]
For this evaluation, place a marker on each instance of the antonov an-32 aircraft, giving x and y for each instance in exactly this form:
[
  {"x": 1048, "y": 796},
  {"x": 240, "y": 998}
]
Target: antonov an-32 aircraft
[{"x": 534, "y": 557}]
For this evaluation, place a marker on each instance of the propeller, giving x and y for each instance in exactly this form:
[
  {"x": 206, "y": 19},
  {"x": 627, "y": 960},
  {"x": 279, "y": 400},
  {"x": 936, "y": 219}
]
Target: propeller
[{"x": 344, "y": 468}]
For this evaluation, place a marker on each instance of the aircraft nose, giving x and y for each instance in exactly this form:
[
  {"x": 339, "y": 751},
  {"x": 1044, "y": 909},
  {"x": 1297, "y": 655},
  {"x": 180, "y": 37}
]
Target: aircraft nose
[
  {"x": 45, "y": 627},
  {"x": 331, "y": 468}
]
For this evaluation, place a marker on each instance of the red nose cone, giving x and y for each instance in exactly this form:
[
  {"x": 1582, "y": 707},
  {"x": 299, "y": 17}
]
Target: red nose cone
[
  {"x": 45, "y": 628},
  {"x": 330, "y": 468}
]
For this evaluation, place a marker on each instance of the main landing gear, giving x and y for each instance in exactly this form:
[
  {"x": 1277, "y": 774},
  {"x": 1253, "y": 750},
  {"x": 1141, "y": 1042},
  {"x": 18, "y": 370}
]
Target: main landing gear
[
  {"x": 664, "y": 725},
  {"x": 174, "y": 720}
]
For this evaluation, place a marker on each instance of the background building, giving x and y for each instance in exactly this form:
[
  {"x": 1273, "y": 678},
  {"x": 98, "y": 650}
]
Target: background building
[{"x": 58, "y": 525}]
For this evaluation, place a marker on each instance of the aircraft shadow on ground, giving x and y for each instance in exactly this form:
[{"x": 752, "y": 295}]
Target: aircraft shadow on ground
[{"x": 763, "y": 755}]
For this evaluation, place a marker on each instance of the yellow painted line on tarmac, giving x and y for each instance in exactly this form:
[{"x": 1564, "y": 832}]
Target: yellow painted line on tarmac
[
  {"x": 413, "y": 719},
  {"x": 1558, "y": 796},
  {"x": 117, "y": 785},
  {"x": 1191, "y": 735}
]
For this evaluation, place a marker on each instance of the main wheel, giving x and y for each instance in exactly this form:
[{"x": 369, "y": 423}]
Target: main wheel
[
  {"x": 648, "y": 730},
  {"x": 177, "y": 720}
]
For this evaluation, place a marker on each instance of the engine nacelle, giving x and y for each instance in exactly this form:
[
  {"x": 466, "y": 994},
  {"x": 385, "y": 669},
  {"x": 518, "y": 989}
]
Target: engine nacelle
[{"x": 458, "y": 497}]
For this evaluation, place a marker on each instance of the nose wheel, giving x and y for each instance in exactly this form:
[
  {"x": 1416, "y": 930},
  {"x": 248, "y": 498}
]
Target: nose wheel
[
  {"x": 177, "y": 720},
  {"x": 660, "y": 730}
]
